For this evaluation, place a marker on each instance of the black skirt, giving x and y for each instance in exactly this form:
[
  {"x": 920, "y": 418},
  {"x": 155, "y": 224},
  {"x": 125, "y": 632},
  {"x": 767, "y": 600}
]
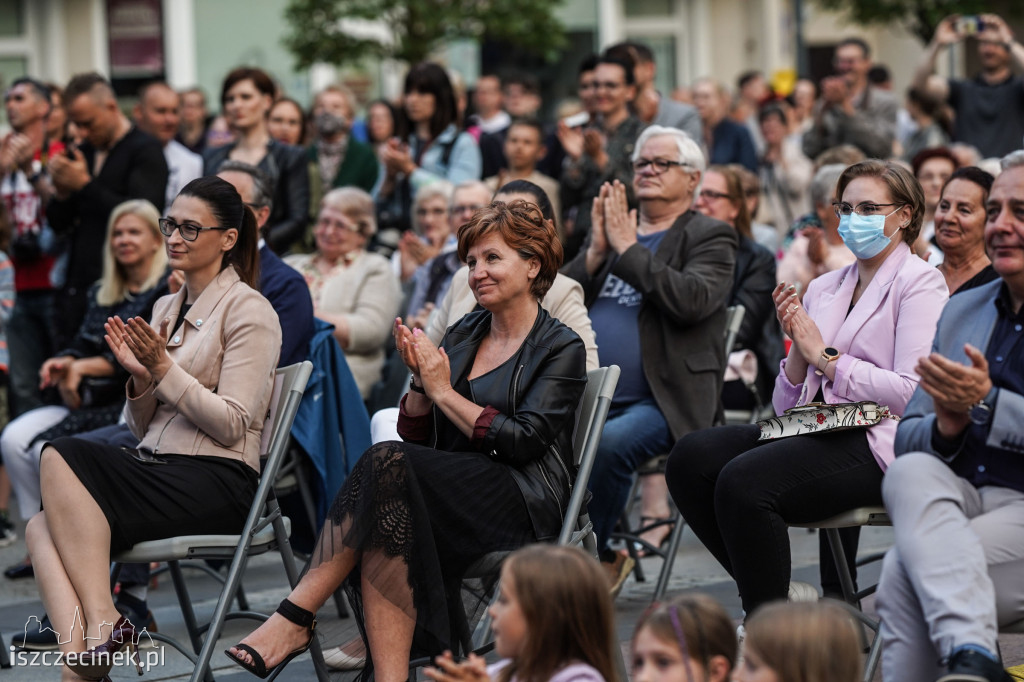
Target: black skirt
[
  {"x": 161, "y": 496},
  {"x": 418, "y": 518}
]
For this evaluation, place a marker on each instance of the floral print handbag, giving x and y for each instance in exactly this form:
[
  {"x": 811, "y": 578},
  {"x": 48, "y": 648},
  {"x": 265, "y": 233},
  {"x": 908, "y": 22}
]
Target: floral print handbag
[{"x": 821, "y": 417}]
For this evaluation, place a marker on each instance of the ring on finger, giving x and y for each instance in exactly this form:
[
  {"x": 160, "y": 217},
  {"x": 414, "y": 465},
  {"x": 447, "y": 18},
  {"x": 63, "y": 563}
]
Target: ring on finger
[{"x": 793, "y": 308}]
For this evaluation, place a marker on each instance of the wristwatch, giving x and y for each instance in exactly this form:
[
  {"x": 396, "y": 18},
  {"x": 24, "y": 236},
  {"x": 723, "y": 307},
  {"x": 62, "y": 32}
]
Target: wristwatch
[
  {"x": 827, "y": 356},
  {"x": 981, "y": 411}
]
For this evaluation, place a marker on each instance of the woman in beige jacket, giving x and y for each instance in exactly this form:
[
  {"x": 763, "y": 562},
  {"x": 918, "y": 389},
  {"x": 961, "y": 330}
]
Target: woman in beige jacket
[
  {"x": 201, "y": 380},
  {"x": 352, "y": 289}
]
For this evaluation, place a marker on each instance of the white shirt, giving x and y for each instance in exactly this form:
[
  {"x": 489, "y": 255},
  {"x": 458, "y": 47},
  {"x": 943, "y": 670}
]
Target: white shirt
[{"x": 183, "y": 166}]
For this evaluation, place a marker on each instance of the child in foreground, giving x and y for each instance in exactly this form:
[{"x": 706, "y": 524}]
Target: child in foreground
[
  {"x": 688, "y": 639},
  {"x": 801, "y": 642},
  {"x": 553, "y": 620}
]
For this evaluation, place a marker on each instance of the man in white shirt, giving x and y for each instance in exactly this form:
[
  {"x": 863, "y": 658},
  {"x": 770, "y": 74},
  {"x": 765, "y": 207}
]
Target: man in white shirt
[{"x": 158, "y": 113}]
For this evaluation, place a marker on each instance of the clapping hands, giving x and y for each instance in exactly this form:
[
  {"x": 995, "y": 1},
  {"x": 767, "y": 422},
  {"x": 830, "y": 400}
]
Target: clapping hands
[{"x": 139, "y": 348}]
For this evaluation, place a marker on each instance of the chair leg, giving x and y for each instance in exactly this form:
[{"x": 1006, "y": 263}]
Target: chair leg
[
  {"x": 842, "y": 567},
  {"x": 670, "y": 558}
]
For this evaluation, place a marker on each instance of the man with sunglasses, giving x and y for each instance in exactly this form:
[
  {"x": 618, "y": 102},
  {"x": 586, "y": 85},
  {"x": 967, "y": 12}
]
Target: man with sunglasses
[{"x": 656, "y": 282}]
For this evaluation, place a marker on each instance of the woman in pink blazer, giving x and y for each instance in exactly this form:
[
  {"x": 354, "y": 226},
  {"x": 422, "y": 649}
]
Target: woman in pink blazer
[{"x": 857, "y": 336}]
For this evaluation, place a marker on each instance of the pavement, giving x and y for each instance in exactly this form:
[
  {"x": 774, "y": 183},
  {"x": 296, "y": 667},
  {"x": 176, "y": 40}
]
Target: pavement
[{"x": 265, "y": 584}]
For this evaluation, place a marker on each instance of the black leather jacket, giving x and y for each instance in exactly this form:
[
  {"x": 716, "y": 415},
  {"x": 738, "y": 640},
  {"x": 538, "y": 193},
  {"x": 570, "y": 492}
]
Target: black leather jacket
[
  {"x": 536, "y": 393},
  {"x": 287, "y": 167}
]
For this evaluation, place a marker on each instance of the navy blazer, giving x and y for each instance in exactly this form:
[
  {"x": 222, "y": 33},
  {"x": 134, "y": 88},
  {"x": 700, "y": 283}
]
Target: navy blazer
[
  {"x": 288, "y": 293},
  {"x": 731, "y": 143}
]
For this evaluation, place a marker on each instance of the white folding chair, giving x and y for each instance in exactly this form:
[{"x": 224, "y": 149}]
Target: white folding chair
[{"x": 265, "y": 529}]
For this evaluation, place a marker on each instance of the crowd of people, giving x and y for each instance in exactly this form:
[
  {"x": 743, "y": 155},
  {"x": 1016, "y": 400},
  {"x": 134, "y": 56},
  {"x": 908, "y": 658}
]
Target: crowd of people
[{"x": 473, "y": 260}]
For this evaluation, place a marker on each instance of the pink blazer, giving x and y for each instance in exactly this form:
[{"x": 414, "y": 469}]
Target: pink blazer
[{"x": 881, "y": 339}]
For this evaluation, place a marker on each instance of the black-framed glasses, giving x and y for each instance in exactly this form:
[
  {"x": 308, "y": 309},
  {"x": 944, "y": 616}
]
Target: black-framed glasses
[
  {"x": 188, "y": 231},
  {"x": 864, "y": 208},
  {"x": 712, "y": 195},
  {"x": 656, "y": 166}
]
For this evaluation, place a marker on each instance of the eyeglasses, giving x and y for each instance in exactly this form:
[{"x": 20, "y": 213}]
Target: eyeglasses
[
  {"x": 188, "y": 231},
  {"x": 864, "y": 208},
  {"x": 466, "y": 208},
  {"x": 712, "y": 195},
  {"x": 656, "y": 166},
  {"x": 607, "y": 85}
]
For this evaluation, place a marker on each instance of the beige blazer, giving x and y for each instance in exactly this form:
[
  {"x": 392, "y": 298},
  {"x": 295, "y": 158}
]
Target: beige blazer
[
  {"x": 367, "y": 293},
  {"x": 215, "y": 396},
  {"x": 564, "y": 302}
]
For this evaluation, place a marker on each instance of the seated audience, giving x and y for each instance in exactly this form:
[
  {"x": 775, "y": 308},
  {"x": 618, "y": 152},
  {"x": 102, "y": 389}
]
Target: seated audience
[
  {"x": 817, "y": 248},
  {"x": 600, "y": 152},
  {"x": 656, "y": 284},
  {"x": 195, "y": 119},
  {"x": 553, "y": 621},
  {"x": 955, "y": 491},
  {"x": 850, "y": 109},
  {"x": 687, "y": 639},
  {"x": 397, "y": 536},
  {"x": 524, "y": 148},
  {"x": 802, "y": 642},
  {"x": 431, "y": 233},
  {"x": 721, "y": 197},
  {"x": 434, "y": 150},
  {"x": 286, "y": 122},
  {"x": 856, "y": 336},
  {"x": 197, "y": 397},
  {"x": 336, "y": 158},
  {"x": 931, "y": 116},
  {"x": 960, "y": 230},
  {"x": 932, "y": 168},
  {"x": 247, "y": 96},
  {"x": 785, "y": 172},
  {"x": 351, "y": 288},
  {"x": 86, "y": 374},
  {"x": 431, "y": 280},
  {"x": 725, "y": 140}
]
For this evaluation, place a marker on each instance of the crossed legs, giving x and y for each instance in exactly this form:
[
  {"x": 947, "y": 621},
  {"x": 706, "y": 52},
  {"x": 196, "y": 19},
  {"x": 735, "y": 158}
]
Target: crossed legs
[{"x": 70, "y": 547}]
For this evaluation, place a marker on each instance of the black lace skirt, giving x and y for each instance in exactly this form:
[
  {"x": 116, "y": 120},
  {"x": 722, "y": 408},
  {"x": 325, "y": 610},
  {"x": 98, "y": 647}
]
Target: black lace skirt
[{"x": 418, "y": 518}]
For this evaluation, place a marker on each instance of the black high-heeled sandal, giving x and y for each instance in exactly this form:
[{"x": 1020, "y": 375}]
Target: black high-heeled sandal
[
  {"x": 96, "y": 663},
  {"x": 291, "y": 613}
]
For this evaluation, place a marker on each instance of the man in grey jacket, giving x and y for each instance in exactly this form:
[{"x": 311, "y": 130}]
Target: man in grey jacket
[
  {"x": 955, "y": 492},
  {"x": 656, "y": 284}
]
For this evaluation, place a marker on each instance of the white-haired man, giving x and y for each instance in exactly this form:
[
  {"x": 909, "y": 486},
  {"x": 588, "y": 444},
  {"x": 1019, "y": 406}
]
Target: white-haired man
[
  {"x": 955, "y": 492},
  {"x": 656, "y": 284}
]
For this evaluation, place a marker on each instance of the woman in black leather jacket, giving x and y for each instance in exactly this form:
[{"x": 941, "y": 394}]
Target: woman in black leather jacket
[
  {"x": 247, "y": 96},
  {"x": 484, "y": 467}
]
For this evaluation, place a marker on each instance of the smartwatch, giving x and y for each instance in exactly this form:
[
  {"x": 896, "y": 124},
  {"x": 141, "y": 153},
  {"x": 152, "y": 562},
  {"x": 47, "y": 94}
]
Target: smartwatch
[{"x": 828, "y": 355}]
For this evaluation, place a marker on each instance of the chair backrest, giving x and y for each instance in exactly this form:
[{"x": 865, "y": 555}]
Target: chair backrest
[
  {"x": 597, "y": 400},
  {"x": 733, "y": 321},
  {"x": 289, "y": 385}
]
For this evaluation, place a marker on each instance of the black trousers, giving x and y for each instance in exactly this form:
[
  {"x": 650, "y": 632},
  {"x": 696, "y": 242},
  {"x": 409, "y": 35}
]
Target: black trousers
[{"x": 739, "y": 496}]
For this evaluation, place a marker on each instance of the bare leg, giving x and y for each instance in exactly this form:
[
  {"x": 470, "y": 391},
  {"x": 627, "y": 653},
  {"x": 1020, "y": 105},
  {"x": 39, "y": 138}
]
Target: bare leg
[
  {"x": 389, "y": 631},
  {"x": 71, "y": 551},
  {"x": 654, "y": 505},
  {"x": 278, "y": 636}
]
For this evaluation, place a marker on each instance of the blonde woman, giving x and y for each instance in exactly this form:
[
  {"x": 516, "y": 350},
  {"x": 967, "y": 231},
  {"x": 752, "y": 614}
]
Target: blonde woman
[
  {"x": 85, "y": 374},
  {"x": 352, "y": 289}
]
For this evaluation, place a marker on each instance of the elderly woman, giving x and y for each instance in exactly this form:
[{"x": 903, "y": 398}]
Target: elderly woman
[
  {"x": 351, "y": 288},
  {"x": 960, "y": 230},
  {"x": 721, "y": 196},
  {"x": 85, "y": 374},
  {"x": 857, "y": 336},
  {"x": 494, "y": 405},
  {"x": 431, "y": 233},
  {"x": 199, "y": 389}
]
